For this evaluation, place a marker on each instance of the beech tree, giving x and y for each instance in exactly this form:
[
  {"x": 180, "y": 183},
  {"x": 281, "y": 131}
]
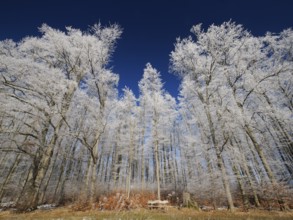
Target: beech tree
[
  {"x": 159, "y": 115},
  {"x": 231, "y": 71},
  {"x": 29, "y": 73}
]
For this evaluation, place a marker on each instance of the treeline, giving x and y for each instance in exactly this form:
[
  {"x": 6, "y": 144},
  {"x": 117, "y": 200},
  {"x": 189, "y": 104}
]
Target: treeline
[{"x": 67, "y": 135}]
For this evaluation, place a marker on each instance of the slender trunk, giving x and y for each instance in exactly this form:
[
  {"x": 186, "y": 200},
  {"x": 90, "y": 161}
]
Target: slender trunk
[
  {"x": 107, "y": 167},
  {"x": 157, "y": 170},
  {"x": 284, "y": 140},
  {"x": 171, "y": 164},
  {"x": 212, "y": 177},
  {"x": 241, "y": 187},
  {"x": 154, "y": 166},
  {"x": 69, "y": 169},
  {"x": 142, "y": 141},
  {"x": 81, "y": 187},
  {"x": 163, "y": 170},
  {"x": 113, "y": 174},
  {"x": 281, "y": 152},
  {"x": 25, "y": 182},
  {"x": 260, "y": 154},
  {"x": 220, "y": 160},
  {"x": 269, "y": 172},
  {"x": 210, "y": 170},
  {"x": 63, "y": 163},
  {"x": 93, "y": 166},
  {"x": 43, "y": 193},
  {"x": 255, "y": 196},
  {"x": 100, "y": 166},
  {"x": 247, "y": 173},
  {"x": 278, "y": 125},
  {"x": 225, "y": 182},
  {"x": 142, "y": 176},
  {"x": 88, "y": 175},
  {"x": 128, "y": 180},
  {"x": 28, "y": 198},
  {"x": 130, "y": 162},
  {"x": 9, "y": 175},
  {"x": 42, "y": 159},
  {"x": 156, "y": 153},
  {"x": 2, "y": 162},
  {"x": 93, "y": 184},
  {"x": 118, "y": 170}
]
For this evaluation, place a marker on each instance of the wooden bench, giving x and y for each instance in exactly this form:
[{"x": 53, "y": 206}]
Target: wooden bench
[{"x": 158, "y": 204}]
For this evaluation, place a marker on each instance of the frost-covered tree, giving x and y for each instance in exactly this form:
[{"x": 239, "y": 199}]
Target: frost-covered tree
[
  {"x": 129, "y": 136},
  {"x": 232, "y": 72},
  {"x": 159, "y": 110},
  {"x": 39, "y": 77}
]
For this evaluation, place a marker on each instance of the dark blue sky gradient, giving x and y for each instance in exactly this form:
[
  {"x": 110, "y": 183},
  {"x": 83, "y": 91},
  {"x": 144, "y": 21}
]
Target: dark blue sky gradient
[{"x": 150, "y": 27}]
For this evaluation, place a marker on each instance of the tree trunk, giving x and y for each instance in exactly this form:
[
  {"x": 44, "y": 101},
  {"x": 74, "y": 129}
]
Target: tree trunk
[
  {"x": 43, "y": 193},
  {"x": 241, "y": 187},
  {"x": 225, "y": 182},
  {"x": 187, "y": 201},
  {"x": 9, "y": 175},
  {"x": 282, "y": 204},
  {"x": 29, "y": 200},
  {"x": 220, "y": 160},
  {"x": 260, "y": 154},
  {"x": 93, "y": 184},
  {"x": 247, "y": 173},
  {"x": 130, "y": 161},
  {"x": 157, "y": 171},
  {"x": 93, "y": 166},
  {"x": 2, "y": 161},
  {"x": 61, "y": 173},
  {"x": 42, "y": 159},
  {"x": 25, "y": 182},
  {"x": 69, "y": 168}
]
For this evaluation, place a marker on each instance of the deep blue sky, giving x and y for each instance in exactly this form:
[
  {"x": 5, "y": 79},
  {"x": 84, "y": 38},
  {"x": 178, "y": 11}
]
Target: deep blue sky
[{"x": 150, "y": 27}]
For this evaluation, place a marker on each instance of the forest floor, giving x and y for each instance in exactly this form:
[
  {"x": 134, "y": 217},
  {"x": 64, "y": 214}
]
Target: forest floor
[{"x": 66, "y": 213}]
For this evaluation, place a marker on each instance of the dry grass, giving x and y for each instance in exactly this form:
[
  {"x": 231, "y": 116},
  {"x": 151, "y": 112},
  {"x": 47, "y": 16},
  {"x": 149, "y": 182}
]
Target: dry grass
[
  {"x": 67, "y": 213},
  {"x": 116, "y": 201}
]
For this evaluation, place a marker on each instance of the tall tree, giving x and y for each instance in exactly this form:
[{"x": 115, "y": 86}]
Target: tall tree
[
  {"x": 231, "y": 72},
  {"x": 29, "y": 73},
  {"x": 158, "y": 106}
]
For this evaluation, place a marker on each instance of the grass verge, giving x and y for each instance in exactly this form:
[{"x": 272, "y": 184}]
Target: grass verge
[{"x": 66, "y": 213}]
